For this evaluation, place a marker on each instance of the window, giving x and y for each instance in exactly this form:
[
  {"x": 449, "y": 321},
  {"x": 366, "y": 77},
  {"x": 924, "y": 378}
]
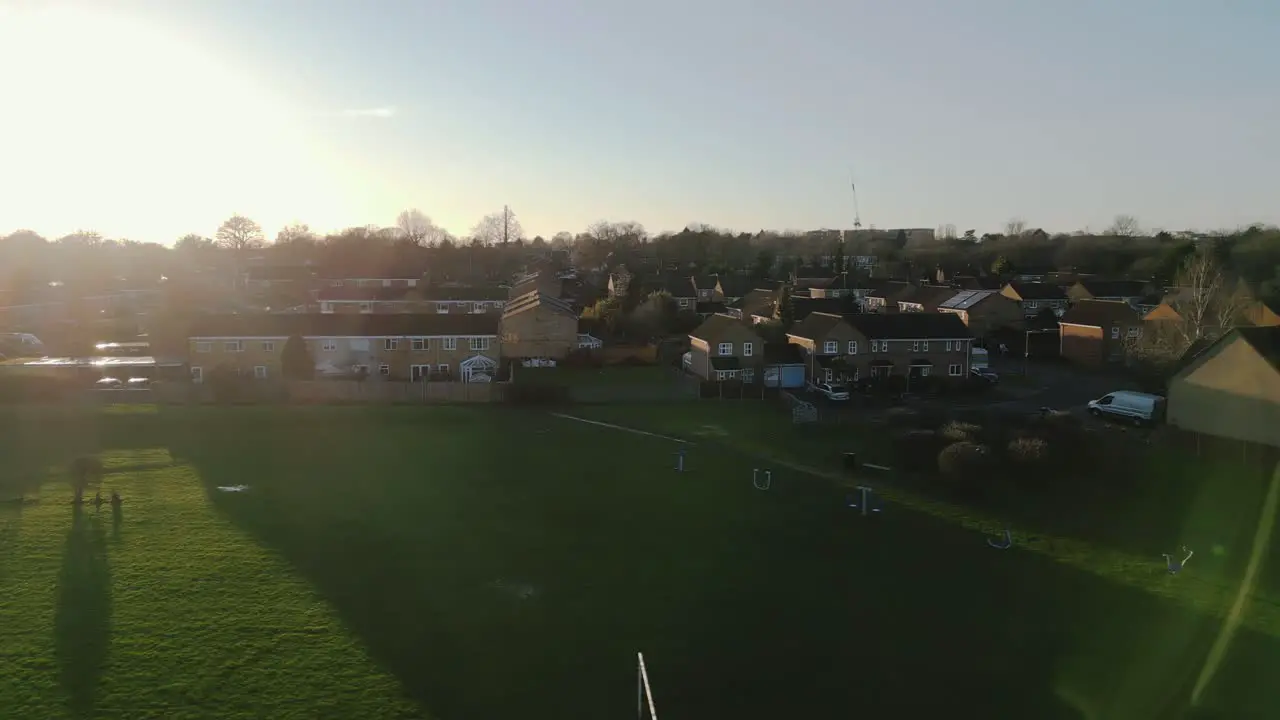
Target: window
[
  {"x": 366, "y": 307},
  {"x": 924, "y": 346},
  {"x": 232, "y": 346},
  {"x": 724, "y": 349},
  {"x": 830, "y": 347},
  {"x": 1134, "y": 332},
  {"x": 1115, "y": 332},
  {"x": 384, "y": 369},
  {"x": 259, "y": 372},
  {"x": 479, "y": 343},
  {"x": 684, "y": 302},
  {"x": 1031, "y": 304},
  {"x": 268, "y": 346},
  {"x": 197, "y": 375},
  {"x": 915, "y": 346},
  {"x": 420, "y": 344},
  {"x": 875, "y": 346},
  {"x": 451, "y": 343},
  {"x": 442, "y": 308},
  {"x": 954, "y": 369},
  {"x": 949, "y": 346},
  {"x": 748, "y": 375},
  {"x": 204, "y": 347},
  {"x": 924, "y": 371},
  {"x": 746, "y": 349},
  {"x": 443, "y": 368},
  {"x": 477, "y": 307},
  {"x": 335, "y": 283},
  {"x": 329, "y": 345},
  {"x": 390, "y": 344},
  {"x": 853, "y": 347}
]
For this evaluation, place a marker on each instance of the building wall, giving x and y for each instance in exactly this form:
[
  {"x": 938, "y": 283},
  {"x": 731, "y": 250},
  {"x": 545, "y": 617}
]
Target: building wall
[
  {"x": 1234, "y": 394},
  {"x": 540, "y": 332},
  {"x": 700, "y": 358},
  {"x": 433, "y": 352},
  {"x": 942, "y": 353},
  {"x": 703, "y": 349},
  {"x": 993, "y": 313},
  {"x": 1083, "y": 344}
]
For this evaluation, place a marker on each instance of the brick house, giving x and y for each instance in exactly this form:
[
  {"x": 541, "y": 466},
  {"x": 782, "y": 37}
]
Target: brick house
[
  {"x": 724, "y": 348},
  {"x": 1094, "y": 332},
  {"x": 984, "y": 311},
  {"x": 912, "y": 345},
  {"x": 829, "y": 346},
  {"x": 537, "y": 328},
  {"x": 1034, "y": 297},
  {"x": 392, "y": 346},
  {"x": 868, "y": 346}
]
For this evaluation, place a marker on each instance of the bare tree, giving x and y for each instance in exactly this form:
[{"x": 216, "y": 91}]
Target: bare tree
[
  {"x": 417, "y": 228},
  {"x": 1206, "y": 306},
  {"x": 1124, "y": 226},
  {"x": 1014, "y": 227},
  {"x": 498, "y": 228},
  {"x": 296, "y": 234},
  {"x": 239, "y": 233},
  {"x": 562, "y": 240}
]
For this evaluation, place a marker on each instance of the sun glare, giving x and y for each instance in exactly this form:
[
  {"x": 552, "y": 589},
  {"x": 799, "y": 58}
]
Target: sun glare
[{"x": 113, "y": 123}]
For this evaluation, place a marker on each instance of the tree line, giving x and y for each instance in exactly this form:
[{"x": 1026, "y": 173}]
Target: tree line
[{"x": 498, "y": 246}]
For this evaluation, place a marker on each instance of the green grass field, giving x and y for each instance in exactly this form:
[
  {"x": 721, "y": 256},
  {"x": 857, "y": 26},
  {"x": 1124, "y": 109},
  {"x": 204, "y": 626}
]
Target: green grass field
[{"x": 493, "y": 563}]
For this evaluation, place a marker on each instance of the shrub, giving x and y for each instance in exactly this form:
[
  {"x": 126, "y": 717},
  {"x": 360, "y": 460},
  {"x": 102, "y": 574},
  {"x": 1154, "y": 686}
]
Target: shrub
[
  {"x": 957, "y": 431},
  {"x": 1028, "y": 450},
  {"x": 964, "y": 460}
]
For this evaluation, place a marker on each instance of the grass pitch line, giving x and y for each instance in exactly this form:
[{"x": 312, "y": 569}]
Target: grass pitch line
[{"x": 621, "y": 427}]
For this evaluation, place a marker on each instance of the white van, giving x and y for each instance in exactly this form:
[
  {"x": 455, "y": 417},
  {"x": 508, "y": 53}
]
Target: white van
[{"x": 1132, "y": 407}]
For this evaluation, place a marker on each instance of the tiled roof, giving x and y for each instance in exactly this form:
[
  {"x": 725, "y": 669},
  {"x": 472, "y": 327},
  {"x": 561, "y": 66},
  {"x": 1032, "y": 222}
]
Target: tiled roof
[
  {"x": 928, "y": 296},
  {"x": 802, "y": 307},
  {"x": 535, "y": 299},
  {"x": 1114, "y": 288},
  {"x": 714, "y": 327},
  {"x": 815, "y": 325},
  {"x": 1265, "y": 340},
  {"x": 909, "y": 326},
  {"x": 1038, "y": 291},
  {"x": 1101, "y": 313},
  {"x": 344, "y": 325}
]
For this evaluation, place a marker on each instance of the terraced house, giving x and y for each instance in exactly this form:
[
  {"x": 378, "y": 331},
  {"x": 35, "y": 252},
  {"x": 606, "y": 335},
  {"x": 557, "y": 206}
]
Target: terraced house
[
  {"x": 417, "y": 347},
  {"x": 863, "y": 346}
]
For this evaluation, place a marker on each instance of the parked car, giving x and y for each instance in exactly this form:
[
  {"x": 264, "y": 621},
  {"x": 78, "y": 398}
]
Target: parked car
[
  {"x": 984, "y": 374},
  {"x": 832, "y": 391},
  {"x": 1133, "y": 407}
]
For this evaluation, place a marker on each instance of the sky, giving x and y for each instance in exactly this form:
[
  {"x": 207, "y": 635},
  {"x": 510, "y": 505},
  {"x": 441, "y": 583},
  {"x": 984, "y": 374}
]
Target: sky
[{"x": 149, "y": 119}]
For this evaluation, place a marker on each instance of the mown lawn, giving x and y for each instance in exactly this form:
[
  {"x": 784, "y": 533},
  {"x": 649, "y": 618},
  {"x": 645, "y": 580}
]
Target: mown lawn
[{"x": 491, "y": 563}]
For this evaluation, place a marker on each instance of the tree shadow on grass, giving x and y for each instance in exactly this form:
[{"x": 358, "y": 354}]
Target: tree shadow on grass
[
  {"x": 82, "y": 622},
  {"x": 747, "y": 604}
]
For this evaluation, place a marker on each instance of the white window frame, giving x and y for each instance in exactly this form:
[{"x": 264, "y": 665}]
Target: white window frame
[
  {"x": 684, "y": 302},
  {"x": 915, "y": 346},
  {"x": 478, "y": 343},
  {"x": 1031, "y": 304},
  {"x": 366, "y": 308},
  {"x": 748, "y": 375},
  {"x": 746, "y": 349},
  {"x": 1115, "y": 332},
  {"x": 1135, "y": 332},
  {"x": 268, "y": 346},
  {"x": 853, "y": 347},
  {"x": 443, "y": 368},
  {"x": 477, "y": 307},
  {"x": 949, "y": 346},
  {"x": 924, "y": 346},
  {"x": 204, "y": 347},
  {"x": 384, "y": 369},
  {"x": 197, "y": 374},
  {"x": 924, "y": 371},
  {"x": 329, "y": 345},
  {"x": 259, "y": 372},
  {"x": 955, "y": 369},
  {"x": 421, "y": 344},
  {"x": 830, "y": 347},
  {"x": 451, "y": 343},
  {"x": 233, "y": 346},
  {"x": 442, "y": 308},
  {"x": 390, "y": 344},
  {"x": 724, "y": 348}
]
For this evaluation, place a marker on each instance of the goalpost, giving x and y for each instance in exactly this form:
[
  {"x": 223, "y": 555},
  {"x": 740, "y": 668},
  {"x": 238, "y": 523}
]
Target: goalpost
[{"x": 644, "y": 695}]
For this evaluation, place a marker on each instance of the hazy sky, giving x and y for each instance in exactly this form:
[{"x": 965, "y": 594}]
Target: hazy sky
[{"x": 149, "y": 120}]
